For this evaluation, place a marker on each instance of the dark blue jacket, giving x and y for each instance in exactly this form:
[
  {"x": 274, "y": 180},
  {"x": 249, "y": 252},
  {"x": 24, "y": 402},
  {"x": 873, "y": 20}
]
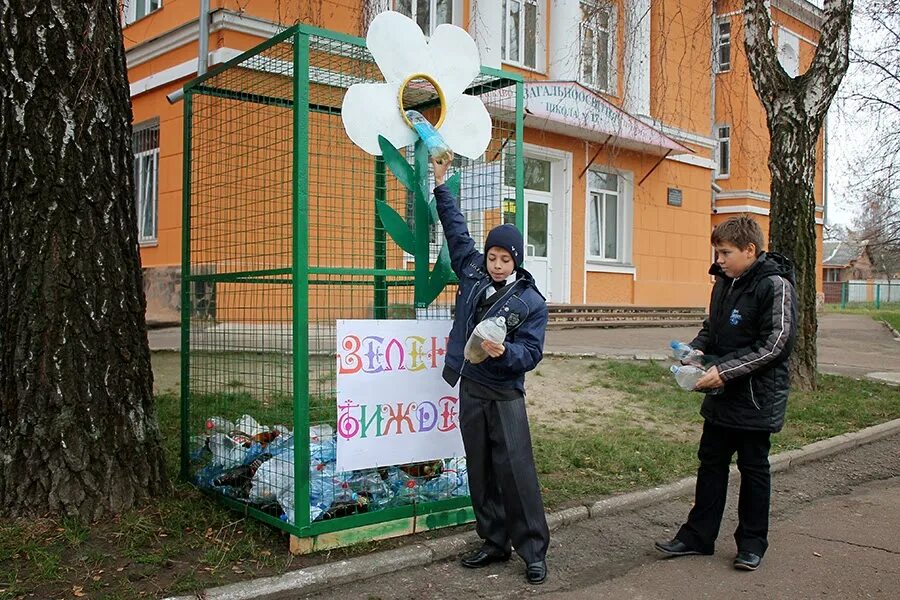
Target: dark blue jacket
[
  {"x": 749, "y": 334},
  {"x": 522, "y": 304}
]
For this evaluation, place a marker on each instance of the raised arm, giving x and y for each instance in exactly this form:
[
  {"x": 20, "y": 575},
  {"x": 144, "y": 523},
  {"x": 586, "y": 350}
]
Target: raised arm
[{"x": 459, "y": 241}]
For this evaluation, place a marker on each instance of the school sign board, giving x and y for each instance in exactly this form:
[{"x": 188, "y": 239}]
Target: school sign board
[{"x": 393, "y": 406}]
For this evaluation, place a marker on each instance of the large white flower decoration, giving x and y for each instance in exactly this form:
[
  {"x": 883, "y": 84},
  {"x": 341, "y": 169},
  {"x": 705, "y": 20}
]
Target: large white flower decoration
[{"x": 449, "y": 61}]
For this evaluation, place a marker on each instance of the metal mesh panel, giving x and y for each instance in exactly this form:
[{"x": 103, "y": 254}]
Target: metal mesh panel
[{"x": 248, "y": 184}]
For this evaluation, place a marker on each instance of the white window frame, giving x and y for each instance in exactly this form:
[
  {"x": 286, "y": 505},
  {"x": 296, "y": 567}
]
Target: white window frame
[
  {"x": 722, "y": 40},
  {"x": 455, "y": 8},
  {"x": 519, "y": 61},
  {"x": 623, "y": 197},
  {"x": 723, "y": 142},
  {"x": 592, "y": 8},
  {"x": 146, "y": 187},
  {"x": 130, "y": 9}
]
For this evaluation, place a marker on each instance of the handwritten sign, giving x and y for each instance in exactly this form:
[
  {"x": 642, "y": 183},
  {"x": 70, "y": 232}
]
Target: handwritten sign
[{"x": 393, "y": 406}]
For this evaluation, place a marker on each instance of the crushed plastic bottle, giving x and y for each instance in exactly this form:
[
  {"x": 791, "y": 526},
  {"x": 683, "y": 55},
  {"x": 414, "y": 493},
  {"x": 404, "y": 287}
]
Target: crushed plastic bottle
[
  {"x": 226, "y": 452},
  {"x": 441, "y": 487},
  {"x": 249, "y": 426},
  {"x": 687, "y": 377},
  {"x": 437, "y": 147},
  {"x": 493, "y": 329},
  {"x": 686, "y": 354},
  {"x": 220, "y": 424}
]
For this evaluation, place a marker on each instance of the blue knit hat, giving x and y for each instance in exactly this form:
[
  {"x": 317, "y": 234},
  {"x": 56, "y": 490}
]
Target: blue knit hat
[{"x": 509, "y": 238}]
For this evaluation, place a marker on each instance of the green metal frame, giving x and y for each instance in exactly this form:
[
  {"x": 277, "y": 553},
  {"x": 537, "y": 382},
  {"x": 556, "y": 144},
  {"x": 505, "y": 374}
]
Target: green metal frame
[{"x": 301, "y": 275}]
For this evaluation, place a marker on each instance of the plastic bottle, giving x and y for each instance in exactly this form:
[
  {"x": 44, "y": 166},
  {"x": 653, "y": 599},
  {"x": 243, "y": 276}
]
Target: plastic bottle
[
  {"x": 226, "y": 452},
  {"x": 687, "y": 377},
  {"x": 219, "y": 424},
  {"x": 493, "y": 329},
  {"x": 241, "y": 475},
  {"x": 441, "y": 487},
  {"x": 249, "y": 426},
  {"x": 685, "y": 354},
  {"x": 437, "y": 147}
]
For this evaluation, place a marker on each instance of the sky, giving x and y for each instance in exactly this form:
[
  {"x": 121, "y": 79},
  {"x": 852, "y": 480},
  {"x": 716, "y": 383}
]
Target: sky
[{"x": 849, "y": 131}]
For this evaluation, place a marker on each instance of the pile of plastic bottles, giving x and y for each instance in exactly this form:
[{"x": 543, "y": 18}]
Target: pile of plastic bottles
[{"x": 247, "y": 461}]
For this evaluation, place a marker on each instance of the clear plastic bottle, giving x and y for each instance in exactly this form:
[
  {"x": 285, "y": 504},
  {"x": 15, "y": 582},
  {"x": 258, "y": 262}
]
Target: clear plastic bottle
[
  {"x": 685, "y": 354},
  {"x": 437, "y": 147},
  {"x": 248, "y": 425},
  {"x": 220, "y": 424},
  {"x": 687, "y": 377},
  {"x": 493, "y": 329}
]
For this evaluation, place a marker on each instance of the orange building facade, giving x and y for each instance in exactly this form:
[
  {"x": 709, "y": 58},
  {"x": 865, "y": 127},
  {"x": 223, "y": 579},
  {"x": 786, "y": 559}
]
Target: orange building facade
[{"x": 642, "y": 129}]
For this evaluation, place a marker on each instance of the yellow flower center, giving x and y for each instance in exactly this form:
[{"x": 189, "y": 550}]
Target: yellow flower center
[{"x": 437, "y": 88}]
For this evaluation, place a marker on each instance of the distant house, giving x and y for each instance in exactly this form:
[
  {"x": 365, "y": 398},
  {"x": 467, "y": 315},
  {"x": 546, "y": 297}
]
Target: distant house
[{"x": 844, "y": 260}]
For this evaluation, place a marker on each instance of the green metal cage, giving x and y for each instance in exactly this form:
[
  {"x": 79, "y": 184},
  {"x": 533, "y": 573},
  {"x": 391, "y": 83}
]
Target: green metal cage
[{"x": 288, "y": 227}]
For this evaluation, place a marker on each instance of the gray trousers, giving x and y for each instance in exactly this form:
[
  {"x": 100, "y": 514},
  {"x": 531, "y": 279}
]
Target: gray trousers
[{"x": 506, "y": 496}]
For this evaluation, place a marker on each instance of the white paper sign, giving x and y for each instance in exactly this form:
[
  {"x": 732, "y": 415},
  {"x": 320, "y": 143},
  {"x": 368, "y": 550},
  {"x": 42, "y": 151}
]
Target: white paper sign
[{"x": 393, "y": 406}]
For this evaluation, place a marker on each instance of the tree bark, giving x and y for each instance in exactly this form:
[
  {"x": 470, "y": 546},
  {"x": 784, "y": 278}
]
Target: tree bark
[
  {"x": 78, "y": 429},
  {"x": 795, "y": 111}
]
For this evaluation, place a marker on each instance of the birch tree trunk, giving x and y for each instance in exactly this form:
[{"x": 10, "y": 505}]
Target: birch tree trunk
[
  {"x": 795, "y": 111},
  {"x": 78, "y": 430}
]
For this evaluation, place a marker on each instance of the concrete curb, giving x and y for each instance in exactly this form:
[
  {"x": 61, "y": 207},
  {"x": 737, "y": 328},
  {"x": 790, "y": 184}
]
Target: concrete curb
[{"x": 319, "y": 577}]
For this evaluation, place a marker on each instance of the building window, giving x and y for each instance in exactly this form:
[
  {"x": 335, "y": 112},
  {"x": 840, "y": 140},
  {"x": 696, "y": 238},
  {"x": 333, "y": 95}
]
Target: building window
[
  {"x": 598, "y": 45},
  {"x": 138, "y": 9},
  {"x": 605, "y": 216},
  {"x": 520, "y": 32},
  {"x": 427, "y": 13},
  {"x": 723, "y": 46},
  {"x": 145, "y": 145},
  {"x": 723, "y": 151}
]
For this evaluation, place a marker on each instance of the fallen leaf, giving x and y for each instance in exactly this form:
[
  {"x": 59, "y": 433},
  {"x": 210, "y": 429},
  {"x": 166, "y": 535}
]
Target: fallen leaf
[
  {"x": 96, "y": 578},
  {"x": 120, "y": 569},
  {"x": 76, "y": 591}
]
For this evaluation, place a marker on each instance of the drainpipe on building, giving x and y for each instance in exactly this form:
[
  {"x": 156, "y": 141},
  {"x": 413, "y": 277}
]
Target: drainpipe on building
[
  {"x": 203, "y": 52},
  {"x": 712, "y": 112}
]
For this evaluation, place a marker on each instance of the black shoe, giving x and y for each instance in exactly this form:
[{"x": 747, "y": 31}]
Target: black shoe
[
  {"x": 747, "y": 561},
  {"x": 676, "y": 547},
  {"x": 482, "y": 558},
  {"x": 536, "y": 573}
]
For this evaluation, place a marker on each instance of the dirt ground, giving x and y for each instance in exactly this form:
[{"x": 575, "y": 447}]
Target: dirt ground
[{"x": 598, "y": 550}]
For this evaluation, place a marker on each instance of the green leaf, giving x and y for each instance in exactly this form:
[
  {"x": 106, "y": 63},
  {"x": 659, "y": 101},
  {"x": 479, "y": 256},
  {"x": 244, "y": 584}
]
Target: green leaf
[
  {"x": 440, "y": 276},
  {"x": 397, "y": 164},
  {"x": 453, "y": 184},
  {"x": 396, "y": 227}
]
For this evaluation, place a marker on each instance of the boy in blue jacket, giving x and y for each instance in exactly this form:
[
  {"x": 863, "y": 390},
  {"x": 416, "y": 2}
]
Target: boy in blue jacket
[
  {"x": 747, "y": 339},
  {"x": 506, "y": 496}
]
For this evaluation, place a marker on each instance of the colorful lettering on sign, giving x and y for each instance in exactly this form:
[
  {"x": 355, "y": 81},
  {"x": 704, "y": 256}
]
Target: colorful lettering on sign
[
  {"x": 399, "y": 418},
  {"x": 372, "y": 354}
]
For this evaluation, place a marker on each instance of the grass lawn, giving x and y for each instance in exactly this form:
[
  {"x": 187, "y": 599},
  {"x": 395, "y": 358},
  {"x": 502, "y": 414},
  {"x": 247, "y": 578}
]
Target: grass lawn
[{"x": 599, "y": 427}]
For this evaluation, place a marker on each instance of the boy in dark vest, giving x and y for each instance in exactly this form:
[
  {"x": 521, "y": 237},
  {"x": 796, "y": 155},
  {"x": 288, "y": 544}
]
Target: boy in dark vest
[{"x": 747, "y": 339}]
